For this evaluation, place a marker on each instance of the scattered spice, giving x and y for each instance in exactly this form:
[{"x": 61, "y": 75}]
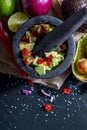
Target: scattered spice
[
  {"x": 27, "y": 92},
  {"x": 48, "y": 107},
  {"x": 66, "y": 90}
]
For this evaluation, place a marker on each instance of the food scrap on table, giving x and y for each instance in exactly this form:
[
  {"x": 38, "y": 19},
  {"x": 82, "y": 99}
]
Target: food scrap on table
[
  {"x": 66, "y": 90},
  {"x": 45, "y": 93},
  {"x": 26, "y": 92},
  {"x": 48, "y": 107}
]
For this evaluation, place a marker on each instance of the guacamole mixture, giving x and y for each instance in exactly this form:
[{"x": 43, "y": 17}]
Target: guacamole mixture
[{"x": 50, "y": 59}]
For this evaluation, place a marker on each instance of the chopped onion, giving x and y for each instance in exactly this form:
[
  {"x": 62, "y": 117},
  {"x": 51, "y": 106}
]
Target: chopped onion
[
  {"x": 45, "y": 93},
  {"x": 52, "y": 98},
  {"x": 27, "y": 92}
]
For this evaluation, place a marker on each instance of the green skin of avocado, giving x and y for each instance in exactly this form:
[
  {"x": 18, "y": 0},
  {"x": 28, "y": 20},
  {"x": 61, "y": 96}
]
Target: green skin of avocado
[
  {"x": 7, "y": 7},
  {"x": 81, "y": 52}
]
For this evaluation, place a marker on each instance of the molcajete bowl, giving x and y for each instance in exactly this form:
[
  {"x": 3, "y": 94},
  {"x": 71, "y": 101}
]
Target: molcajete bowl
[{"x": 29, "y": 69}]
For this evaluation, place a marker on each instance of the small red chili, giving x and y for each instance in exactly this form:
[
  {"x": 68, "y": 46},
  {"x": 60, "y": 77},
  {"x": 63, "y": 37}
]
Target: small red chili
[
  {"x": 51, "y": 56},
  {"x": 48, "y": 107},
  {"x": 66, "y": 90},
  {"x": 30, "y": 82},
  {"x": 40, "y": 61}
]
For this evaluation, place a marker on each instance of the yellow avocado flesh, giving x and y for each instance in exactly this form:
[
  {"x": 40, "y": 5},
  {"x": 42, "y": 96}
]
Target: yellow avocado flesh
[
  {"x": 81, "y": 52},
  {"x": 29, "y": 46}
]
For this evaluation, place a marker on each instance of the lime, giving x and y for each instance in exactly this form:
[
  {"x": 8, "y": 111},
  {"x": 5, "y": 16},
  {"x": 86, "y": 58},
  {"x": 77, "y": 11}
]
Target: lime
[
  {"x": 7, "y": 7},
  {"x": 16, "y": 20}
]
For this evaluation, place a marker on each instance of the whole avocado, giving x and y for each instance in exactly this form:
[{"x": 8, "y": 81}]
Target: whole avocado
[{"x": 71, "y": 6}]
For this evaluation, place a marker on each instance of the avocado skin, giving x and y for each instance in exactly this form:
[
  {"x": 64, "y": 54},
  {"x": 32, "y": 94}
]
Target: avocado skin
[
  {"x": 69, "y": 7},
  {"x": 81, "y": 53}
]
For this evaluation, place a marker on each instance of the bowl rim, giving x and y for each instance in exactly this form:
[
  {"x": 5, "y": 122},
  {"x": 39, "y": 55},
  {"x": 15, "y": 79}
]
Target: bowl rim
[{"x": 29, "y": 70}]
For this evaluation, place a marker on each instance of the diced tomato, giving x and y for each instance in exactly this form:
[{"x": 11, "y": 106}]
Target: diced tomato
[
  {"x": 40, "y": 61},
  {"x": 51, "y": 56},
  {"x": 24, "y": 39},
  {"x": 38, "y": 31},
  {"x": 47, "y": 61},
  {"x": 25, "y": 52},
  {"x": 46, "y": 58}
]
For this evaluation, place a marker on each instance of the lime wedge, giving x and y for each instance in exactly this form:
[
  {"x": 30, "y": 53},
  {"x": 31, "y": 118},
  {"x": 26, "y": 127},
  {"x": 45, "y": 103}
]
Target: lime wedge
[
  {"x": 16, "y": 20},
  {"x": 7, "y": 7}
]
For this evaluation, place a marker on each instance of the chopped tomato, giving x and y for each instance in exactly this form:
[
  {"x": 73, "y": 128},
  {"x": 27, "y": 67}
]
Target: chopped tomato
[
  {"x": 24, "y": 39},
  {"x": 40, "y": 61},
  {"x": 30, "y": 39},
  {"x": 47, "y": 61},
  {"x": 25, "y": 52},
  {"x": 51, "y": 56},
  {"x": 38, "y": 31}
]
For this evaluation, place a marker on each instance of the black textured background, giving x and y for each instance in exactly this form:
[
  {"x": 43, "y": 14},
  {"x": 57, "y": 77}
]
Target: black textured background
[{"x": 24, "y": 112}]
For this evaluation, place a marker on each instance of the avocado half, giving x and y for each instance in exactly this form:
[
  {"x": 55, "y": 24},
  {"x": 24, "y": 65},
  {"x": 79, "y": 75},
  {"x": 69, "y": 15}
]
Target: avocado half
[{"x": 81, "y": 52}]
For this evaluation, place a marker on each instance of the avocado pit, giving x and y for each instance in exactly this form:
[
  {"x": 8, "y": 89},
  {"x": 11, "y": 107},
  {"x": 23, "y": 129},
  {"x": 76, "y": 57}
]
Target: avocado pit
[{"x": 81, "y": 65}]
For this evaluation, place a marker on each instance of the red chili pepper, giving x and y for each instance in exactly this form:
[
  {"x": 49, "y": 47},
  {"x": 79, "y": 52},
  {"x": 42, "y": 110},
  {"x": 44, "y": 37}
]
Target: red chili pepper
[
  {"x": 4, "y": 36},
  {"x": 51, "y": 56},
  {"x": 7, "y": 41},
  {"x": 40, "y": 61},
  {"x": 25, "y": 52},
  {"x": 48, "y": 107},
  {"x": 30, "y": 82},
  {"x": 66, "y": 90}
]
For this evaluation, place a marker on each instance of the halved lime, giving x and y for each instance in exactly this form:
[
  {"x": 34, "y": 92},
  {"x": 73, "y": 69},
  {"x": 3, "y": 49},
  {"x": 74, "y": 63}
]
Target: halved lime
[
  {"x": 16, "y": 20},
  {"x": 7, "y": 7}
]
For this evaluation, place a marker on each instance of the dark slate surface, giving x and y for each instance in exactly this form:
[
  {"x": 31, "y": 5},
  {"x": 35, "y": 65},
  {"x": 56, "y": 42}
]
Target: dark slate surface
[{"x": 24, "y": 112}]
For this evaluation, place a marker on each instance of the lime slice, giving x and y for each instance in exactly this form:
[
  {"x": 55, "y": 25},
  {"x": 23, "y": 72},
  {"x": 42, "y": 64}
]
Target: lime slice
[
  {"x": 16, "y": 20},
  {"x": 7, "y": 7}
]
